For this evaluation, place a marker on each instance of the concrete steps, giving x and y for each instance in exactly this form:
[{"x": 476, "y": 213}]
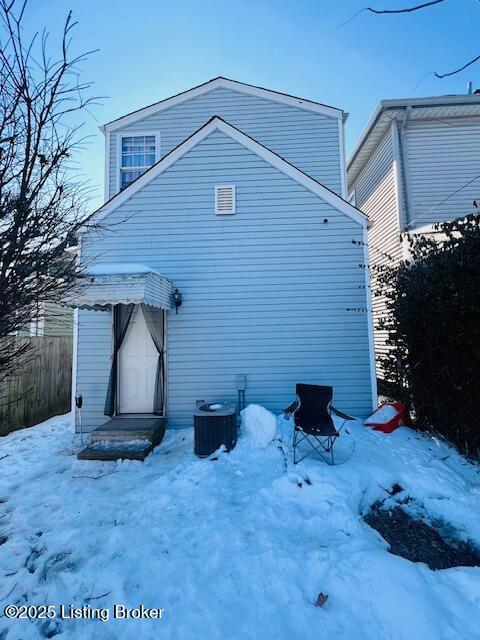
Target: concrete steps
[
  {"x": 133, "y": 450},
  {"x": 125, "y": 437}
]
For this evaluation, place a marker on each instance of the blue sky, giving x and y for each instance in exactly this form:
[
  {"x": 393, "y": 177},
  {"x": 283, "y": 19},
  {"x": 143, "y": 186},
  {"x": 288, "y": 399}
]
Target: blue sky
[{"x": 151, "y": 49}]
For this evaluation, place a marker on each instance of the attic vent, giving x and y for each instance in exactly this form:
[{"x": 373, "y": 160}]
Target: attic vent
[{"x": 225, "y": 199}]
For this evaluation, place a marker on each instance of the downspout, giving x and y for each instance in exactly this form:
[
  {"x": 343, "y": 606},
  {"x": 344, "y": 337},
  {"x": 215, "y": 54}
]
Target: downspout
[
  {"x": 370, "y": 326},
  {"x": 403, "y": 149},
  {"x": 398, "y": 174},
  {"x": 75, "y": 344}
]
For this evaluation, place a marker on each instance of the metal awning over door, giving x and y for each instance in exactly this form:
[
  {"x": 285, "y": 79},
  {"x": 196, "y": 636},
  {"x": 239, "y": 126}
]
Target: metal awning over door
[{"x": 105, "y": 285}]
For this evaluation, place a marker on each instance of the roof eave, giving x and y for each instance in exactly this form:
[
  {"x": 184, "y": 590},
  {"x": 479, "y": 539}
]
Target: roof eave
[
  {"x": 365, "y": 133},
  {"x": 403, "y": 105}
]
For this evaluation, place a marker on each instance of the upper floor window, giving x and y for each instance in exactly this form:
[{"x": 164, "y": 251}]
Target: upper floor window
[{"x": 137, "y": 154}]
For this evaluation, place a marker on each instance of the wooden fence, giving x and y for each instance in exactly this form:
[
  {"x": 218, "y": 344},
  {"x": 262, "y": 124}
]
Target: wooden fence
[{"x": 41, "y": 388}]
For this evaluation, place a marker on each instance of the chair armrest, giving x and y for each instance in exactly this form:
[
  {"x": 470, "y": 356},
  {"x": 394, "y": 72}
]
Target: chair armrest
[
  {"x": 340, "y": 414},
  {"x": 290, "y": 409}
]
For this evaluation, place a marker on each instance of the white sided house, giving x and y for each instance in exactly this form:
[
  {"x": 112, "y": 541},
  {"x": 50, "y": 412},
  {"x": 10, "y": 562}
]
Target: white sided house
[
  {"x": 417, "y": 163},
  {"x": 228, "y": 199}
]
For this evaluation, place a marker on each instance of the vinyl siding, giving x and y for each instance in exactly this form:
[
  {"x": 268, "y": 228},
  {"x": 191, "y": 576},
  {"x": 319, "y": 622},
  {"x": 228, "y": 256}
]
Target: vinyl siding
[
  {"x": 93, "y": 364},
  {"x": 54, "y": 320},
  {"x": 58, "y": 320},
  {"x": 308, "y": 140},
  {"x": 375, "y": 193},
  {"x": 443, "y": 156},
  {"x": 265, "y": 291}
]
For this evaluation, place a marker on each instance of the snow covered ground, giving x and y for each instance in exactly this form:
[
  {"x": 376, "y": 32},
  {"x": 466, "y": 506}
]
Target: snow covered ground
[{"x": 233, "y": 548}]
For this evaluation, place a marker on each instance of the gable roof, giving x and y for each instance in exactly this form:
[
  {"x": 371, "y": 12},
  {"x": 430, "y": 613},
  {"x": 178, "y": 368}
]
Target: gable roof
[
  {"x": 417, "y": 108},
  {"x": 218, "y": 124},
  {"x": 216, "y": 83}
]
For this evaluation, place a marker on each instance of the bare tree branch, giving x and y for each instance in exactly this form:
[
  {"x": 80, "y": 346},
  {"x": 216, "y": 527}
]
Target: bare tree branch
[
  {"x": 452, "y": 73},
  {"x": 406, "y": 10},
  {"x": 43, "y": 202},
  {"x": 417, "y": 7},
  {"x": 392, "y": 11}
]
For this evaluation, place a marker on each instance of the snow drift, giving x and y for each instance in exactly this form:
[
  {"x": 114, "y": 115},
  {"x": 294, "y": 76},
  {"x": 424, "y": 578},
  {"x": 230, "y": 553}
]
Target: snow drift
[
  {"x": 238, "y": 547},
  {"x": 258, "y": 425}
]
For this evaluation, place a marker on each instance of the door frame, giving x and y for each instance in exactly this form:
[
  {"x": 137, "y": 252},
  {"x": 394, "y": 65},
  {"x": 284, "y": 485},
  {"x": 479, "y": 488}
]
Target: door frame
[{"x": 165, "y": 360}]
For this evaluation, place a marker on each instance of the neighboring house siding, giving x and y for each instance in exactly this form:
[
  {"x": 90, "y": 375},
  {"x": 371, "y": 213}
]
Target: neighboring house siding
[
  {"x": 265, "y": 291},
  {"x": 376, "y": 195},
  {"x": 53, "y": 320},
  {"x": 308, "y": 140},
  {"x": 443, "y": 156},
  {"x": 58, "y": 320}
]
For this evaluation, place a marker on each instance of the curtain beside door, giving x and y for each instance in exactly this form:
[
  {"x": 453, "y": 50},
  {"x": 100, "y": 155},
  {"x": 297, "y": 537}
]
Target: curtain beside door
[
  {"x": 122, "y": 314},
  {"x": 155, "y": 319}
]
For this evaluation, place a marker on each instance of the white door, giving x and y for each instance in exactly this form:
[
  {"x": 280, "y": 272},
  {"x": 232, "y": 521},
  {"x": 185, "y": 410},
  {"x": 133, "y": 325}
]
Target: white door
[{"x": 137, "y": 364}]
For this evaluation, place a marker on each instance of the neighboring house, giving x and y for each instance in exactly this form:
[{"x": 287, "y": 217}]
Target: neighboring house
[
  {"x": 53, "y": 320},
  {"x": 416, "y": 163},
  {"x": 232, "y": 195}
]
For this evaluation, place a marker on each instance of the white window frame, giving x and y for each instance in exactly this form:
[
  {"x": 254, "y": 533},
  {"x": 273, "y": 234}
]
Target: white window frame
[
  {"x": 37, "y": 325},
  {"x": 128, "y": 134},
  {"x": 234, "y": 198}
]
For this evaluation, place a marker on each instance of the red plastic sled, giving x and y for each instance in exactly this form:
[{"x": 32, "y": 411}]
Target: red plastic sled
[{"x": 388, "y": 417}]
